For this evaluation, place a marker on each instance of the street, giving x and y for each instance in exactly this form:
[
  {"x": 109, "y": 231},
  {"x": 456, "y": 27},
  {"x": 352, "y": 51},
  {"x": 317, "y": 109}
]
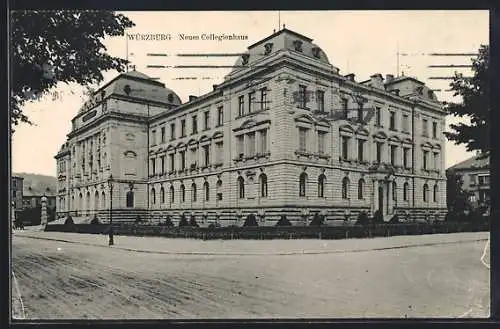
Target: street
[{"x": 155, "y": 278}]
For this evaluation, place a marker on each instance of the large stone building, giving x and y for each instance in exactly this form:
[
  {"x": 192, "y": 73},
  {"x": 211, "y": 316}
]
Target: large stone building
[{"x": 284, "y": 133}]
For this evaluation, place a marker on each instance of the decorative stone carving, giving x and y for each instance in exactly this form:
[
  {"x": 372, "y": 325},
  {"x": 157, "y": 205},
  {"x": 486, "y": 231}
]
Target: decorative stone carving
[
  {"x": 297, "y": 44},
  {"x": 245, "y": 58},
  {"x": 316, "y": 52},
  {"x": 269, "y": 48}
]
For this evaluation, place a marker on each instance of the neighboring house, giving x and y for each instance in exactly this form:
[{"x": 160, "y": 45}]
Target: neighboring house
[
  {"x": 35, "y": 187},
  {"x": 284, "y": 134},
  {"x": 17, "y": 192},
  {"x": 475, "y": 173}
]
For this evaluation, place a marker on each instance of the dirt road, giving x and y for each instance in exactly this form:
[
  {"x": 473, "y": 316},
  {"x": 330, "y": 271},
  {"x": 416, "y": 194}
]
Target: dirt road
[{"x": 60, "y": 280}]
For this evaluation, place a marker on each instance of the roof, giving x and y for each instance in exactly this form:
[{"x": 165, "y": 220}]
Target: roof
[
  {"x": 472, "y": 163},
  {"x": 282, "y": 40},
  {"x": 140, "y": 86},
  {"x": 38, "y": 185}
]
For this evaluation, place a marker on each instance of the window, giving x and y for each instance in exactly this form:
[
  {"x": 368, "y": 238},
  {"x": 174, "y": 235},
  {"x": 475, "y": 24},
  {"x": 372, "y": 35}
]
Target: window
[
  {"x": 251, "y": 101},
  {"x": 425, "y": 192},
  {"x": 153, "y": 137},
  {"x": 241, "y": 187},
  {"x": 162, "y": 158},
  {"x": 302, "y": 184},
  {"x": 251, "y": 144},
  {"x": 320, "y": 98},
  {"x": 436, "y": 160},
  {"x": 263, "y": 185},
  {"x": 195, "y": 124},
  {"x": 162, "y": 195},
  {"x": 425, "y": 155},
  {"x": 153, "y": 196},
  {"x": 361, "y": 187},
  {"x": 361, "y": 148},
  {"x": 193, "y": 192},
  {"x": 163, "y": 134},
  {"x": 206, "y": 188},
  {"x": 360, "y": 113},
  {"x": 480, "y": 180},
  {"x": 435, "y": 193},
  {"x": 406, "y": 189},
  {"x": 172, "y": 194},
  {"x": 219, "y": 152},
  {"x": 321, "y": 142},
  {"x": 183, "y": 193},
  {"x": 378, "y": 116},
  {"x": 183, "y": 160},
  {"x": 345, "y": 147},
  {"x": 302, "y": 96},
  {"x": 434, "y": 130},
  {"x": 393, "y": 154},
  {"x": 239, "y": 145},
  {"x": 183, "y": 127},
  {"x": 321, "y": 186},
  {"x": 130, "y": 199},
  {"x": 379, "y": 151},
  {"x": 302, "y": 139},
  {"x": 153, "y": 166},
  {"x": 219, "y": 186},
  {"x": 206, "y": 155},
  {"x": 220, "y": 115},
  {"x": 263, "y": 98},
  {"x": 172, "y": 162},
  {"x": 406, "y": 152},
  {"x": 345, "y": 109},
  {"x": 207, "y": 120},
  {"x": 345, "y": 188},
  {"x": 241, "y": 105},
  {"x": 406, "y": 123},
  {"x": 172, "y": 131},
  {"x": 392, "y": 120},
  {"x": 394, "y": 191},
  {"x": 424, "y": 128},
  {"x": 194, "y": 153},
  {"x": 263, "y": 141}
]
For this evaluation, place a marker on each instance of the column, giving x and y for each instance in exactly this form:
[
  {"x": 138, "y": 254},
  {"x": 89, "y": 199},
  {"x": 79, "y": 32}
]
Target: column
[
  {"x": 390, "y": 201},
  {"x": 375, "y": 196}
]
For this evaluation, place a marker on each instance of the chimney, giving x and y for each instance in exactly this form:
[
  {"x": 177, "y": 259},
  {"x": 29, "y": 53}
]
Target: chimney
[
  {"x": 377, "y": 78},
  {"x": 192, "y": 98},
  {"x": 389, "y": 78},
  {"x": 350, "y": 76}
]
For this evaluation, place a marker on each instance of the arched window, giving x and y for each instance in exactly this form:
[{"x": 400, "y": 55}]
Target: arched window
[
  {"x": 207, "y": 191},
  {"x": 406, "y": 190},
  {"x": 87, "y": 205},
  {"x": 263, "y": 185},
  {"x": 162, "y": 195},
  {"x": 219, "y": 188},
  {"x": 361, "y": 189},
  {"x": 321, "y": 186},
  {"x": 302, "y": 184},
  {"x": 80, "y": 202},
  {"x": 153, "y": 196},
  {"x": 345, "y": 188},
  {"x": 130, "y": 199},
  {"x": 96, "y": 200},
  {"x": 103, "y": 200},
  {"x": 183, "y": 193},
  {"x": 172, "y": 194},
  {"x": 394, "y": 191},
  {"x": 241, "y": 187},
  {"x": 425, "y": 192},
  {"x": 435, "y": 194},
  {"x": 193, "y": 192}
]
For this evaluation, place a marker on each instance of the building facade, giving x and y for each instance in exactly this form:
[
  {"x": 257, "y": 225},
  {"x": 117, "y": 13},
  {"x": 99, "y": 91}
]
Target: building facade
[
  {"x": 283, "y": 134},
  {"x": 475, "y": 174},
  {"x": 17, "y": 192}
]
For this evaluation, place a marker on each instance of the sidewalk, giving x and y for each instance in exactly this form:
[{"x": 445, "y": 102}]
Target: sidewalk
[{"x": 253, "y": 247}]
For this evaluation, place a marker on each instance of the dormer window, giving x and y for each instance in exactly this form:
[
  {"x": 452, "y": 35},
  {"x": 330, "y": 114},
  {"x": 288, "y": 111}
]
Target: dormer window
[
  {"x": 430, "y": 94},
  {"x": 420, "y": 90},
  {"x": 269, "y": 48},
  {"x": 316, "y": 52},
  {"x": 245, "y": 58},
  {"x": 298, "y": 45}
]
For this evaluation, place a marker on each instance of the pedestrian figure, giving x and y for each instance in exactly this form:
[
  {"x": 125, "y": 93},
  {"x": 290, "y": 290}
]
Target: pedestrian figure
[{"x": 110, "y": 234}]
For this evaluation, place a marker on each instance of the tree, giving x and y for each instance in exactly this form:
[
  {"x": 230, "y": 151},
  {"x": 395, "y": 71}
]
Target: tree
[
  {"x": 48, "y": 47},
  {"x": 456, "y": 196},
  {"x": 475, "y": 105}
]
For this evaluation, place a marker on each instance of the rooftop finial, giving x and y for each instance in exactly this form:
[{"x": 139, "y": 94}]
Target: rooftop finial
[{"x": 274, "y": 30}]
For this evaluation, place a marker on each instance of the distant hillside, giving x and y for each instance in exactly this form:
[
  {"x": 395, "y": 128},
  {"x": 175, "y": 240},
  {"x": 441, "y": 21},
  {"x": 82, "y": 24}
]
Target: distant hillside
[{"x": 34, "y": 184}]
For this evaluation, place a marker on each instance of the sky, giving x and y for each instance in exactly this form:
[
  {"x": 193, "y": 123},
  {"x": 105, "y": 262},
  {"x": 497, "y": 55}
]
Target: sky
[{"x": 359, "y": 42}]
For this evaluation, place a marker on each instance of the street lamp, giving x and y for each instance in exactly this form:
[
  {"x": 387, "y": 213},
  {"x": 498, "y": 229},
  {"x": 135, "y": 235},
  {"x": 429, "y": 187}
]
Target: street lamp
[{"x": 110, "y": 231}]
